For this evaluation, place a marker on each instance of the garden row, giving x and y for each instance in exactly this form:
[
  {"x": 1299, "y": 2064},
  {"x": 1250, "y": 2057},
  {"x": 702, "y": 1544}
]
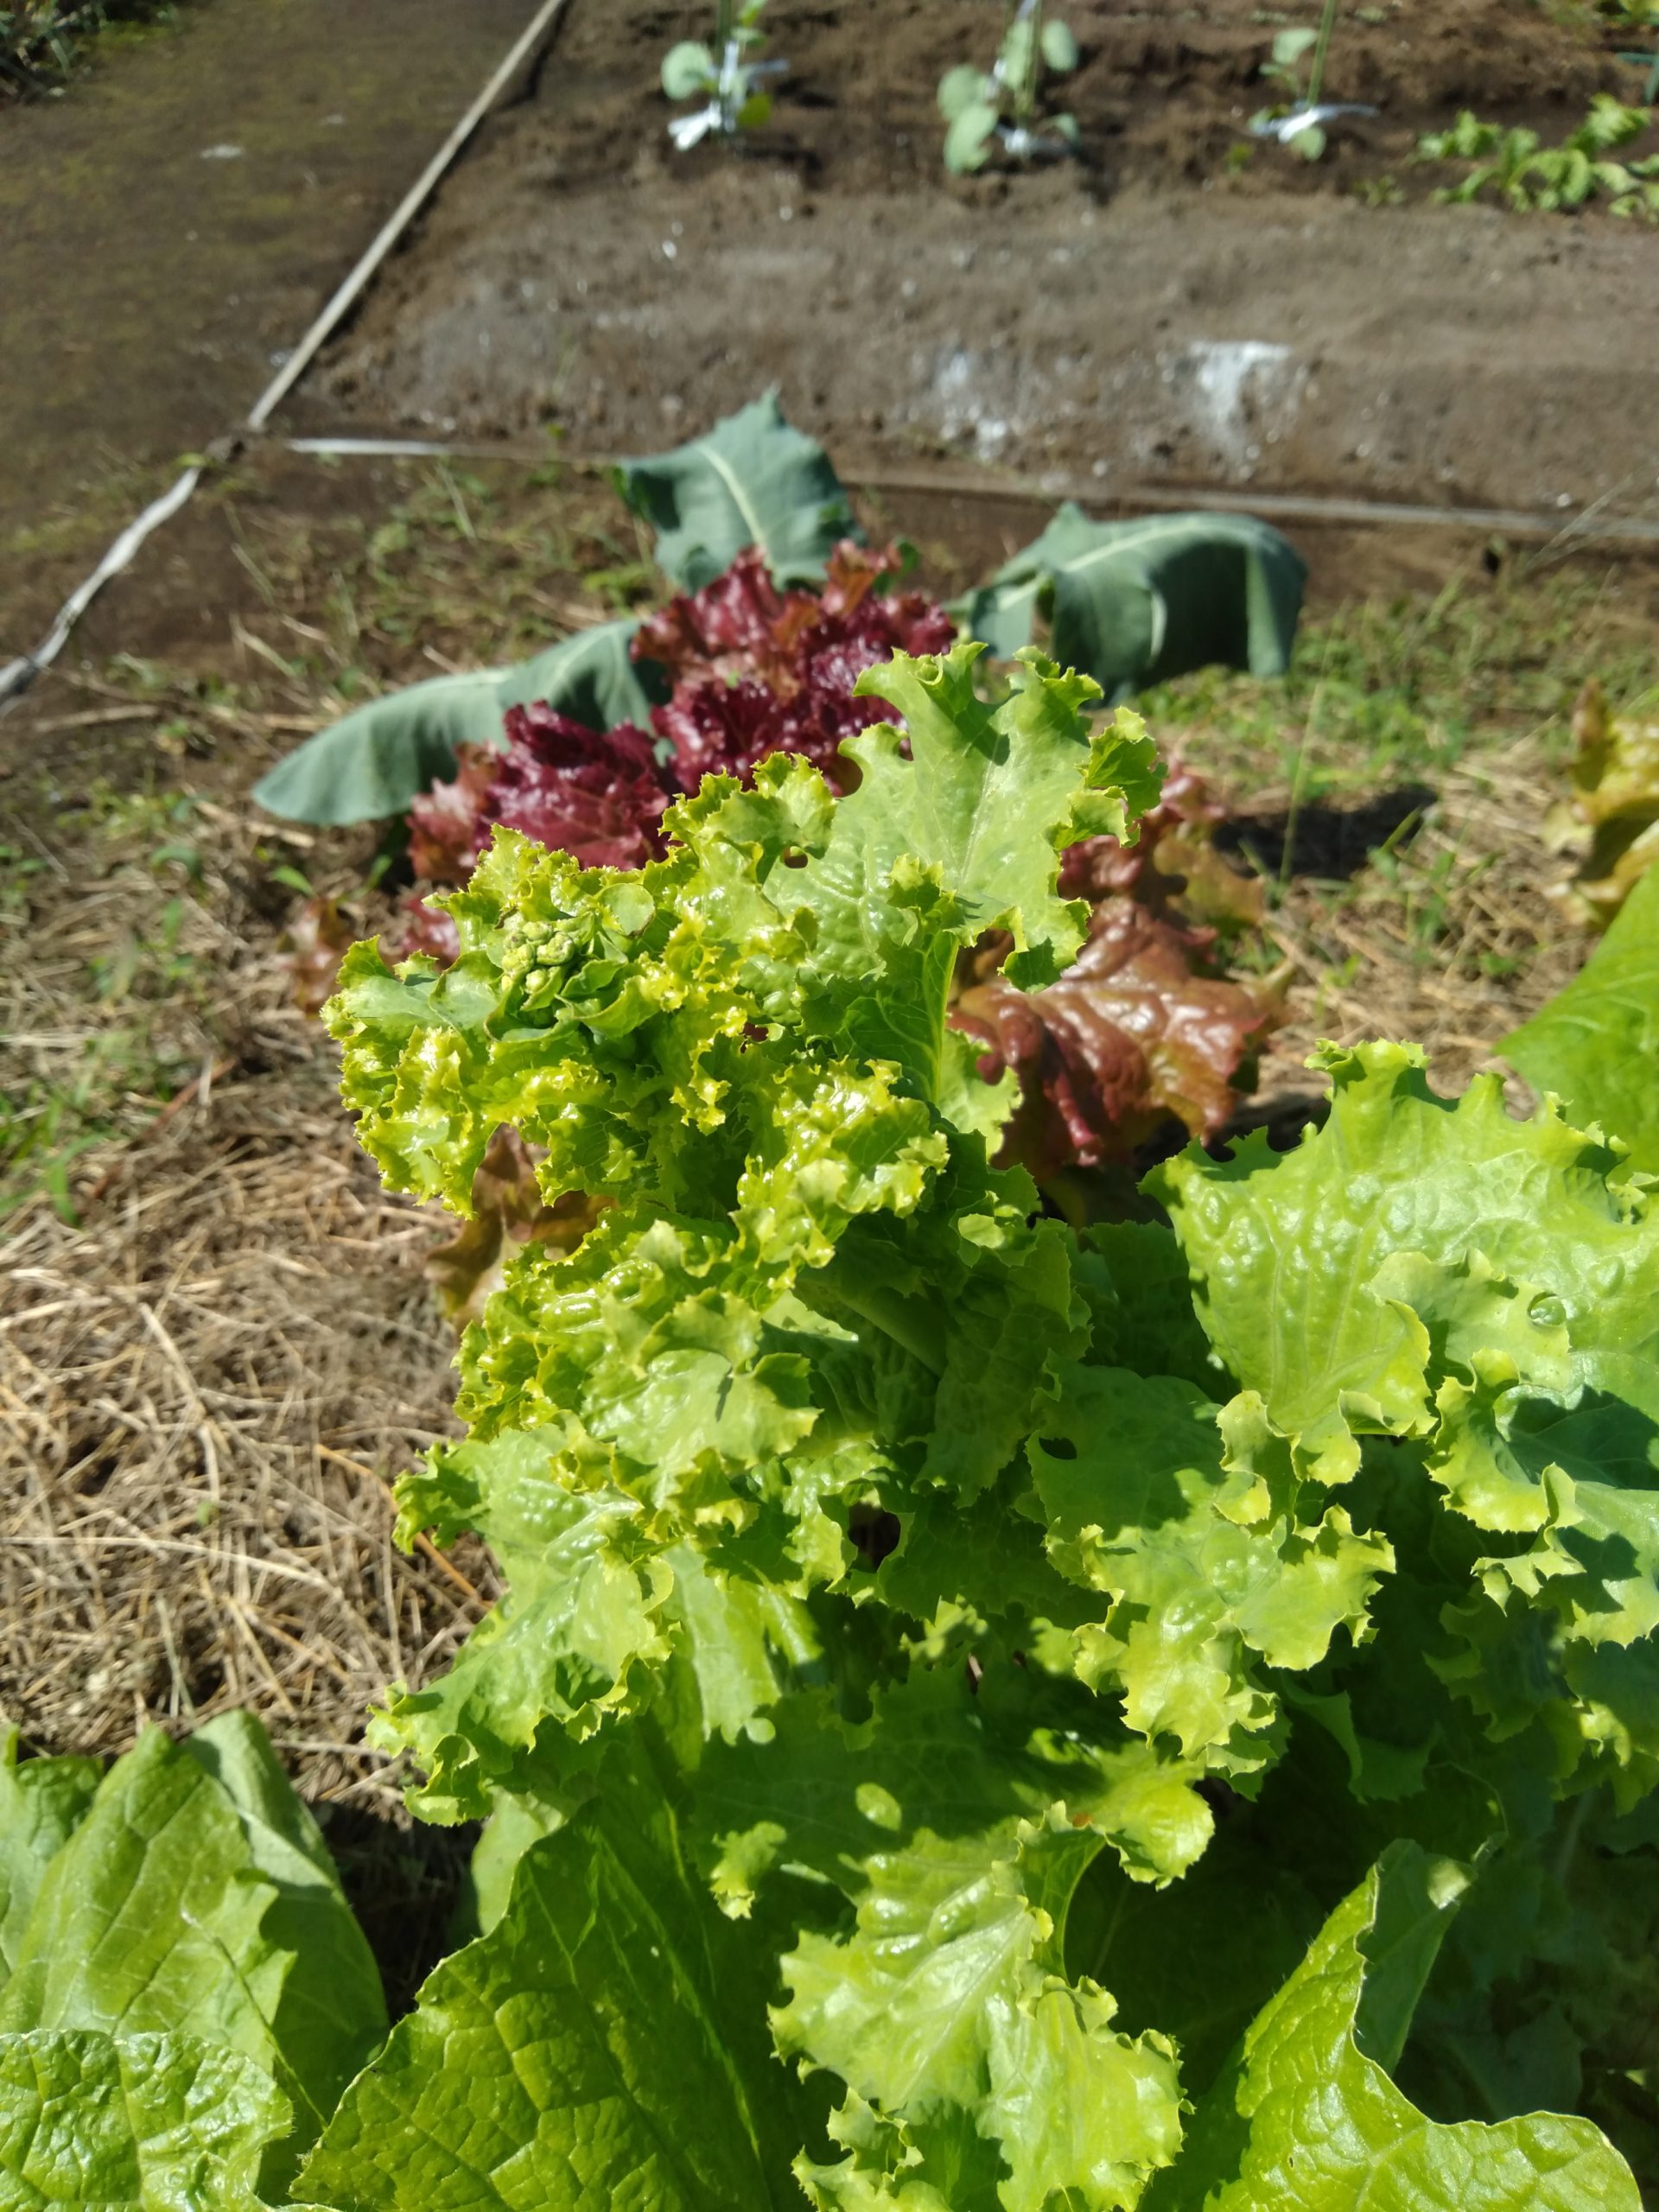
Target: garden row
[{"x": 997, "y": 1704}]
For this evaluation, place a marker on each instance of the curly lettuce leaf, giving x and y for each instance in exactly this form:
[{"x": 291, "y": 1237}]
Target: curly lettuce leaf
[
  {"x": 948, "y": 2013},
  {"x": 1596, "y": 1044},
  {"x": 1207, "y": 1562},
  {"x": 1137, "y": 1031},
  {"x": 1307, "y": 2119},
  {"x": 1285, "y": 1251},
  {"x": 940, "y": 1756}
]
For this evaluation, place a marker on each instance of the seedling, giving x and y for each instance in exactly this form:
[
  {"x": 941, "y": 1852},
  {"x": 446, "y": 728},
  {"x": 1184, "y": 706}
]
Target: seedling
[
  {"x": 1534, "y": 177},
  {"x": 1301, "y": 122},
  {"x": 981, "y": 111},
  {"x": 720, "y": 75}
]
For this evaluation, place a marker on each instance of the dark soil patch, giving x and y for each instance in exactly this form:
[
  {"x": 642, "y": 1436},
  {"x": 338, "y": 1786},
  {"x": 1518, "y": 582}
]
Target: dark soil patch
[
  {"x": 1150, "y": 315},
  {"x": 1161, "y": 93}
]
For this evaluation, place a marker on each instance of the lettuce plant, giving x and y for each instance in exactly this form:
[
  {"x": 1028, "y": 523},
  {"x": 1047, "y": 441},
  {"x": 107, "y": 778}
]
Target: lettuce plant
[
  {"x": 1536, "y": 178},
  {"x": 989, "y": 1716},
  {"x": 1142, "y": 1028}
]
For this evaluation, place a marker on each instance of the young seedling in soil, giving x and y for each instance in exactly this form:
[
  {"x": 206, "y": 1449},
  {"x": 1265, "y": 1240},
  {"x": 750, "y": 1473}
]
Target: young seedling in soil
[
  {"x": 1535, "y": 178},
  {"x": 719, "y": 74},
  {"x": 1003, "y": 107},
  {"x": 1302, "y": 123}
]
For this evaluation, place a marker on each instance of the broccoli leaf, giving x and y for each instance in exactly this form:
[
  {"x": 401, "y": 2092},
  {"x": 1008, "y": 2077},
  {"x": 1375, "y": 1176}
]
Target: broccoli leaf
[
  {"x": 376, "y": 761},
  {"x": 751, "y": 480},
  {"x": 1134, "y": 604}
]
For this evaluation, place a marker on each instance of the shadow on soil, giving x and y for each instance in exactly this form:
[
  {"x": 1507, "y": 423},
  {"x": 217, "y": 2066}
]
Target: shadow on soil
[
  {"x": 405, "y": 1884},
  {"x": 1331, "y": 844}
]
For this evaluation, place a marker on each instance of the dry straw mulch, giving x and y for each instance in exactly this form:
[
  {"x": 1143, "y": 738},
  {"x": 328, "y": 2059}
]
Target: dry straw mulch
[
  {"x": 1449, "y": 943},
  {"x": 207, "y": 1383}
]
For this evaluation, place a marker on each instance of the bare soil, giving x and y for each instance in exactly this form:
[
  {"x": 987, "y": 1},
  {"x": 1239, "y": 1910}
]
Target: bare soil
[
  {"x": 177, "y": 217},
  {"x": 1148, "y": 314}
]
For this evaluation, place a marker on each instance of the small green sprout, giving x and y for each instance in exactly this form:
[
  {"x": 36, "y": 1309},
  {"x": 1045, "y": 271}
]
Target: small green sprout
[
  {"x": 1536, "y": 178},
  {"x": 1300, "y": 121},
  {"x": 982, "y": 110},
  {"x": 720, "y": 75}
]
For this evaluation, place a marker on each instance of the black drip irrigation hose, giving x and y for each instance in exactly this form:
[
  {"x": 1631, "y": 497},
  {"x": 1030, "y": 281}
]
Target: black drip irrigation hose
[{"x": 1589, "y": 526}]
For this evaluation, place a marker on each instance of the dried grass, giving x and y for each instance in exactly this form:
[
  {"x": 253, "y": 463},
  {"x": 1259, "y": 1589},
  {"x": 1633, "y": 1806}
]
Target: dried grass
[
  {"x": 204, "y": 1386},
  {"x": 1449, "y": 943}
]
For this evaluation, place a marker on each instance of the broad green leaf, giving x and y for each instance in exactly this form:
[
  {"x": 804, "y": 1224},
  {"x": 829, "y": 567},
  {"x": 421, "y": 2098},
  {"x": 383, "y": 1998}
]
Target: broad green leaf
[
  {"x": 1059, "y": 46},
  {"x": 968, "y": 141},
  {"x": 374, "y": 762},
  {"x": 1307, "y": 2119},
  {"x": 592, "y": 676},
  {"x": 1596, "y": 1045},
  {"x": 135, "y": 2123},
  {"x": 603, "y": 2045},
  {"x": 947, "y": 2011},
  {"x": 196, "y": 1896},
  {"x": 752, "y": 480},
  {"x": 962, "y": 87},
  {"x": 688, "y": 69},
  {"x": 41, "y": 1803},
  {"x": 1133, "y": 604},
  {"x": 1287, "y": 1251}
]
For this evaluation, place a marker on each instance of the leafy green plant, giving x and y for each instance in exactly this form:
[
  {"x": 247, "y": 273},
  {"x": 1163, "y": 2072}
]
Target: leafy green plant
[
  {"x": 1135, "y": 603},
  {"x": 1516, "y": 165},
  {"x": 1155, "y": 1715},
  {"x": 1139, "y": 603},
  {"x": 1004, "y": 107},
  {"x": 1596, "y": 1045},
  {"x": 184, "y": 1994},
  {"x": 722, "y": 76},
  {"x": 1299, "y": 120}
]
